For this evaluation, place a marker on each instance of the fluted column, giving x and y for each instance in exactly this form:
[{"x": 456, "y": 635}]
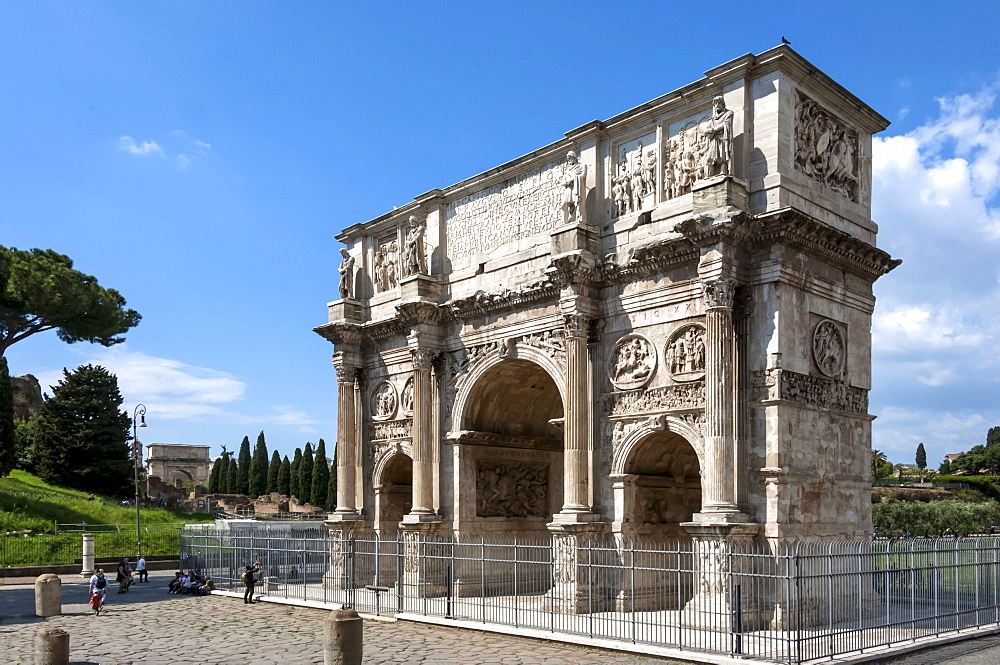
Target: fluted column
[
  {"x": 577, "y": 417},
  {"x": 720, "y": 370},
  {"x": 423, "y": 432},
  {"x": 347, "y": 440}
]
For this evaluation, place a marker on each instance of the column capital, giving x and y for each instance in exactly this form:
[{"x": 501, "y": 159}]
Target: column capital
[
  {"x": 719, "y": 292},
  {"x": 423, "y": 358},
  {"x": 576, "y": 325},
  {"x": 347, "y": 366}
]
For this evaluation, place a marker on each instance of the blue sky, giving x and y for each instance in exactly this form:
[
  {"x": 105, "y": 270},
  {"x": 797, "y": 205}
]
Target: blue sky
[{"x": 200, "y": 156}]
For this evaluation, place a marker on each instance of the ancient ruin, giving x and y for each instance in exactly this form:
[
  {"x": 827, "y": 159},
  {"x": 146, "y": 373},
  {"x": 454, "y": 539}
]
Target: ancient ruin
[
  {"x": 657, "y": 325},
  {"x": 178, "y": 464}
]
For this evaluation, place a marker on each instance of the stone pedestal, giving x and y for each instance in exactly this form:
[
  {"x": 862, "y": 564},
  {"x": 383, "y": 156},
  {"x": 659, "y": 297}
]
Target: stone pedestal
[
  {"x": 580, "y": 568},
  {"x": 343, "y": 637},
  {"x": 719, "y": 193},
  {"x": 51, "y": 646},
  {"x": 419, "y": 287},
  {"x": 346, "y": 567},
  {"x": 346, "y": 310},
  {"x": 88, "y": 555},
  {"x": 717, "y": 571},
  {"x": 48, "y": 595},
  {"x": 425, "y": 557}
]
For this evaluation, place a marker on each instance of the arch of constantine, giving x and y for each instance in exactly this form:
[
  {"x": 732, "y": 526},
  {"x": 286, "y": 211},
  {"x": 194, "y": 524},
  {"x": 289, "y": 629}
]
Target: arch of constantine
[{"x": 658, "y": 325}]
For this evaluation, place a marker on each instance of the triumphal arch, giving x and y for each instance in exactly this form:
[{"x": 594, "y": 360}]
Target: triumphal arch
[{"x": 657, "y": 325}]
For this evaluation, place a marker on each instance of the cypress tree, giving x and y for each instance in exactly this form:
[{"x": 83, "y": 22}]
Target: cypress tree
[
  {"x": 82, "y": 435},
  {"x": 306, "y": 474},
  {"x": 243, "y": 471},
  {"x": 8, "y": 446},
  {"x": 272, "y": 472},
  {"x": 232, "y": 476},
  {"x": 213, "y": 477},
  {"x": 331, "y": 495},
  {"x": 294, "y": 487},
  {"x": 258, "y": 468},
  {"x": 285, "y": 477},
  {"x": 321, "y": 476}
]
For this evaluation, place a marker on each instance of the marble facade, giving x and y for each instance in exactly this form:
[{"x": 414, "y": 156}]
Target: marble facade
[{"x": 658, "y": 325}]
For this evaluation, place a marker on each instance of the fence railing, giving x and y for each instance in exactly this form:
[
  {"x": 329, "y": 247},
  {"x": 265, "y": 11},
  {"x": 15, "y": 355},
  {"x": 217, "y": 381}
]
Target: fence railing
[
  {"x": 771, "y": 601},
  {"x": 66, "y": 547}
]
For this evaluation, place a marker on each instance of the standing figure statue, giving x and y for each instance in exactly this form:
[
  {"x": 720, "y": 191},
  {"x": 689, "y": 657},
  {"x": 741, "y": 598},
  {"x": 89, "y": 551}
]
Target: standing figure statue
[
  {"x": 574, "y": 181},
  {"x": 346, "y": 271},
  {"x": 719, "y": 130},
  {"x": 415, "y": 264}
]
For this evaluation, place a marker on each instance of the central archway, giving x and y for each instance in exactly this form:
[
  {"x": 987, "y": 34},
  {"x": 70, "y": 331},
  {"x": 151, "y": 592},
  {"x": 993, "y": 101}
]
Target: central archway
[{"x": 510, "y": 449}]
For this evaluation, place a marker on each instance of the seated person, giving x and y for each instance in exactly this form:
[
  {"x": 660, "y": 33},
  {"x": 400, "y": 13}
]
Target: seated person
[
  {"x": 185, "y": 583},
  {"x": 175, "y": 584},
  {"x": 209, "y": 586}
]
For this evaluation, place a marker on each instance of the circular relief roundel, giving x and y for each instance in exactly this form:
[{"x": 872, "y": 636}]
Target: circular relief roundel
[
  {"x": 383, "y": 401},
  {"x": 684, "y": 355},
  {"x": 632, "y": 362},
  {"x": 829, "y": 348}
]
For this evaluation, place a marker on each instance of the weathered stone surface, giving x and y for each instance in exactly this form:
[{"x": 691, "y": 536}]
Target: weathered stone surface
[{"x": 48, "y": 595}]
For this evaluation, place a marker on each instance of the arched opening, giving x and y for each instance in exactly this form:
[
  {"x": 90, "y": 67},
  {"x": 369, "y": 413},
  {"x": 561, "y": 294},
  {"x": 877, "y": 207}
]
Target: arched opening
[
  {"x": 510, "y": 447},
  {"x": 178, "y": 478},
  {"x": 393, "y": 493},
  {"x": 660, "y": 487}
]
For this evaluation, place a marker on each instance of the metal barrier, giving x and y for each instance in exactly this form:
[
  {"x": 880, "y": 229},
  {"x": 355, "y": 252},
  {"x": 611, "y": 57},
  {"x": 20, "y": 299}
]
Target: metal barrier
[{"x": 788, "y": 603}]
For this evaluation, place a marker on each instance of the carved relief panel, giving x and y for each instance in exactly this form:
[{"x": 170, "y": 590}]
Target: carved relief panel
[
  {"x": 512, "y": 489},
  {"x": 385, "y": 264},
  {"x": 826, "y": 149},
  {"x": 684, "y": 356},
  {"x": 633, "y": 176},
  {"x": 383, "y": 401},
  {"x": 829, "y": 348},
  {"x": 685, "y": 152},
  {"x": 406, "y": 397},
  {"x": 632, "y": 362}
]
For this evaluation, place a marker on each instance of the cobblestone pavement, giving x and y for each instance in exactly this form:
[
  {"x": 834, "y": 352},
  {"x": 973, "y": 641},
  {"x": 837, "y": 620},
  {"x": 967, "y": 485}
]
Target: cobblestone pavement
[{"x": 149, "y": 626}]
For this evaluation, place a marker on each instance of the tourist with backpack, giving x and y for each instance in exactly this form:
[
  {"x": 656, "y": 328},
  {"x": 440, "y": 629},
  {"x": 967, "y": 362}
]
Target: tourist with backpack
[
  {"x": 249, "y": 581},
  {"x": 98, "y": 589}
]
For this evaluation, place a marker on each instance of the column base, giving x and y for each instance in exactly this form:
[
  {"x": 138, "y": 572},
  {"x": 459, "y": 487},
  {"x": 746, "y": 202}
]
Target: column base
[
  {"x": 718, "y": 568},
  {"x": 343, "y": 573},
  {"x": 580, "y": 583},
  {"x": 425, "y": 560},
  {"x": 415, "y": 519}
]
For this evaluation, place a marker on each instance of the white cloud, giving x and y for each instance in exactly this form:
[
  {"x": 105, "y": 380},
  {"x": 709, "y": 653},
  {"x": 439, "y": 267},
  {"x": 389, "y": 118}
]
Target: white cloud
[
  {"x": 936, "y": 330},
  {"x": 128, "y": 144}
]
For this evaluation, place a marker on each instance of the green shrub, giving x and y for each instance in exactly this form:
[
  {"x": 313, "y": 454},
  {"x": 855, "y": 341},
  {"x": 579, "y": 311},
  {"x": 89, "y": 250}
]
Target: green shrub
[
  {"x": 933, "y": 518},
  {"x": 988, "y": 485}
]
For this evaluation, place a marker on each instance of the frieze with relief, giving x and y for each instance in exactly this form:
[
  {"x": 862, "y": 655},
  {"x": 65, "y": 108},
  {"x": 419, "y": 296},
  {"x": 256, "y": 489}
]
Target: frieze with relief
[
  {"x": 818, "y": 391},
  {"x": 677, "y": 397},
  {"x": 632, "y": 362},
  {"x": 385, "y": 268},
  {"x": 701, "y": 149},
  {"x": 829, "y": 348},
  {"x": 684, "y": 355},
  {"x": 406, "y": 397},
  {"x": 383, "y": 401},
  {"x": 825, "y": 149},
  {"x": 633, "y": 177},
  {"x": 518, "y": 489},
  {"x": 390, "y": 429}
]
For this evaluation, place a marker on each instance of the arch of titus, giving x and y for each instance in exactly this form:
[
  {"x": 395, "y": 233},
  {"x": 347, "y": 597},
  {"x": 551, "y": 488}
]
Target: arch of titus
[{"x": 658, "y": 325}]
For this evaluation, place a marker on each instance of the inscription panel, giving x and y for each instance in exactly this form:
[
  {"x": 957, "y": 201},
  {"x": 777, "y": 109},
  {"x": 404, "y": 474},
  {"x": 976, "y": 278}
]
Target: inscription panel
[{"x": 525, "y": 205}]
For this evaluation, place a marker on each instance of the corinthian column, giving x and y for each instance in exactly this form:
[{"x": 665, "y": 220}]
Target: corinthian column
[
  {"x": 577, "y": 417},
  {"x": 423, "y": 435},
  {"x": 718, "y": 491},
  {"x": 347, "y": 440}
]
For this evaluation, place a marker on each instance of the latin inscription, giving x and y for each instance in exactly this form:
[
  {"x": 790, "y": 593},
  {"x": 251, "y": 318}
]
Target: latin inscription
[{"x": 525, "y": 205}]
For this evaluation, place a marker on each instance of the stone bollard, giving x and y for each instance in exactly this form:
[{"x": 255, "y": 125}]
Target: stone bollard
[
  {"x": 51, "y": 646},
  {"x": 343, "y": 633},
  {"x": 48, "y": 595},
  {"x": 88, "y": 555}
]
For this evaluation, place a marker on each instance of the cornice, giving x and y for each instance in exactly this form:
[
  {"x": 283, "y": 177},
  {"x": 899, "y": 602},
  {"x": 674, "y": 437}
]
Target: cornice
[{"x": 339, "y": 332}]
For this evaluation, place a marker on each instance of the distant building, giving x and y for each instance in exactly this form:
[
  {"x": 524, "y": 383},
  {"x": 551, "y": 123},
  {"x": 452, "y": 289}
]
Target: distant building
[{"x": 177, "y": 463}]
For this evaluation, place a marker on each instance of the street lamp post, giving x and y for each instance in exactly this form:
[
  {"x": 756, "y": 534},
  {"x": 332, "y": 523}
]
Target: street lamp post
[{"x": 138, "y": 415}]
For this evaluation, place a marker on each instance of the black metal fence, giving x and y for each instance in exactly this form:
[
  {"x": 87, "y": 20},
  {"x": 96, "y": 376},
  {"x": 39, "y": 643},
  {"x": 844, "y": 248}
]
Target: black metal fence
[
  {"x": 781, "y": 602},
  {"x": 66, "y": 547}
]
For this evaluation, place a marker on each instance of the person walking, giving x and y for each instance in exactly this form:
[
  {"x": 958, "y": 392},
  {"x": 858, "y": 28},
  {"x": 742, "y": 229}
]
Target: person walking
[
  {"x": 249, "y": 581},
  {"x": 98, "y": 589},
  {"x": 124, "y": 576},
  {"x": 140, "y": 567}
]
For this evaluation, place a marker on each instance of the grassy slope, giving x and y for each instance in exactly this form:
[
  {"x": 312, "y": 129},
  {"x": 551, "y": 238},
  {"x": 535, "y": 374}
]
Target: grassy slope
[{"x": 26, "y": 502}]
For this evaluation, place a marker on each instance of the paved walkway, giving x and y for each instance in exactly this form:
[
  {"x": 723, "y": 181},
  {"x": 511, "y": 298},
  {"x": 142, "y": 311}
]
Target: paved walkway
[{"x": 151, "y": 627}]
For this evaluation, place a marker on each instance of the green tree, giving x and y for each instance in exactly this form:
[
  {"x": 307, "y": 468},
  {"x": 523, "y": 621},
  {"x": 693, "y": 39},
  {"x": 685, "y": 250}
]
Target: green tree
[
  {"x": 25, "y": 444},
  {"x": 306, "y": 475},
  {"x": 8, "y": 437},
  {"x": 921, "y": 460},
  {"x": 285, "y": 477},
  {"x": 320, "y": 476},
  {"x": 258, "y": 468},
  {"x": 331, "y": 494},
  {"x": 993, "y": 437},
  {"x": 272, "y": 472},
  {"x": 295, "y": 486},
  {"x": 213, "y": 476},
  {"x": 40, "y": 291},
  {"x": 243, "y": 472},
  {"x": 878, "y": 461},
  {"x": 933, "y": 518},
  {"x": 232, "y": 476},
  {"x": 82, "y": 433}
]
